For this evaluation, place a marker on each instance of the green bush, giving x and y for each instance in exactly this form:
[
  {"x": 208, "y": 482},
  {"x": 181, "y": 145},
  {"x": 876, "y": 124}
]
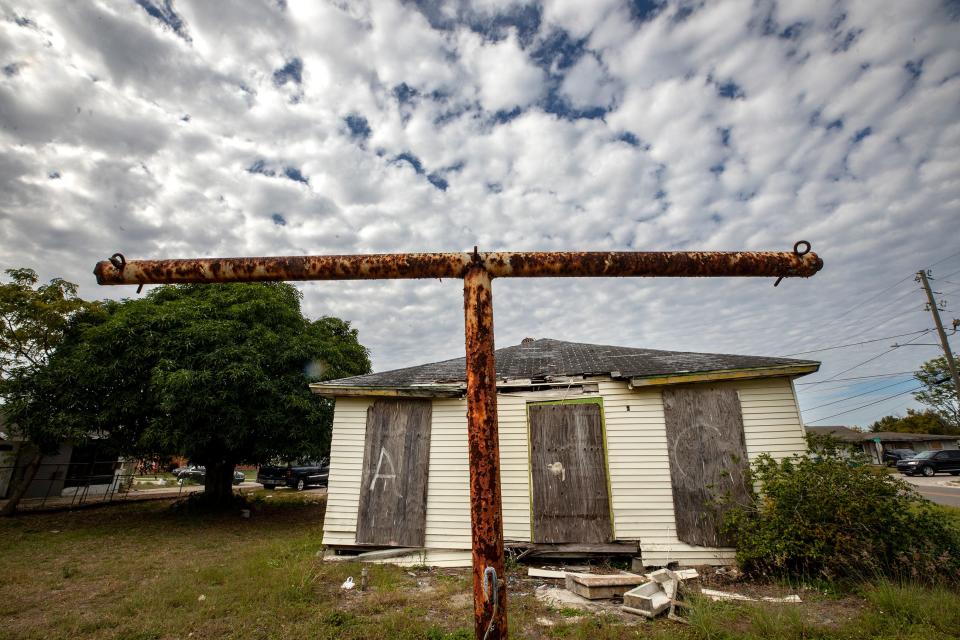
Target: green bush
[{"x": 821, "y": 517}]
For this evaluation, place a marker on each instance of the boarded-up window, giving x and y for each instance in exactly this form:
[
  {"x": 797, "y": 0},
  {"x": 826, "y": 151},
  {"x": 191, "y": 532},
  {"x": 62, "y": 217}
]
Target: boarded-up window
[
  {"x": 396, "y": 459},
  {"x": 571, "y": 503},
  {"x": 708, "y": 458}
]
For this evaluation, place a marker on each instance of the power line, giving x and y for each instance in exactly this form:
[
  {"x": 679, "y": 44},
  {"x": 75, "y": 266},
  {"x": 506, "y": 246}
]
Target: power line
[
  {"x": 865, "y": 393},
  {"x": 880, "y": 355},
  {"x": 952, "y": 255},
  {"x": 854, "y": 344},
  {"x": 865, "y": 405},
  {"x": 951, "y": 274},
  {"x": 879, "y": 375},
  {"x": 863, "y": 302}
]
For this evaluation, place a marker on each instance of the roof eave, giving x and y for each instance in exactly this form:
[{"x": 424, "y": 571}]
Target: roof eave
[{"x": 794, "y": 370}]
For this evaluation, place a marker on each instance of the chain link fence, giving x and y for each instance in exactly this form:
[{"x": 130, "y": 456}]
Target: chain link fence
[{"x": 69, "y": 485}]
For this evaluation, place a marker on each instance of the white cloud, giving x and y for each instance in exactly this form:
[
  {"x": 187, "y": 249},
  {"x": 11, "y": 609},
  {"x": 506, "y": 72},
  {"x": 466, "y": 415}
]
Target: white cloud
[
  {"x": 505, "y": 76},
  {"x": 117, "y": 133}
]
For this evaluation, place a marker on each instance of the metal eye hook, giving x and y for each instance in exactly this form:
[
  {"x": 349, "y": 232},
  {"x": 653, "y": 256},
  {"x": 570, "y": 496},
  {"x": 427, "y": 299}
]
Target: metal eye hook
[
  {"x": 118, "y": 261},
  {"x": 797, "y": 252}
]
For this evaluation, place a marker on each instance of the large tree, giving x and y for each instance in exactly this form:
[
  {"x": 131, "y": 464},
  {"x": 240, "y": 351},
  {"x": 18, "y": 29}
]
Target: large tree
[
  {"x": 33, "y": 321},
  {"x": 217, "y": 373}
]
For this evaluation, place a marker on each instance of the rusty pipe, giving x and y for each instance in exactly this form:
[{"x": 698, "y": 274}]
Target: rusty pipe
[
  {"x": 483, "y": 442},
  {"x": 499, "y": 264}
]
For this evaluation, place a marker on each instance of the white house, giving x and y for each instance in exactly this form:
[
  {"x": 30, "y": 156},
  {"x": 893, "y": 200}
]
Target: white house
[{"x": 602, "y": 448}]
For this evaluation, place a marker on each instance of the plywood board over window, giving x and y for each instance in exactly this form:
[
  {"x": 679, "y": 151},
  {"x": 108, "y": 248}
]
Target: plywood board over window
[
  {"x": 708, "y": 460},
  {"x": 396, "y": 459},
  {"x": 571, "y": 501}
]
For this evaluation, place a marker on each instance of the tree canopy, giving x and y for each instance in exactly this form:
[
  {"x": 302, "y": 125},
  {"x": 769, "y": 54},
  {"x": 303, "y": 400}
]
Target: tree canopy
[
  {"x": 34, "y": 319},
  {"x": 914, "y": 422},
  {"x": 939, "y": 392},
  {"x": 217, "y": 373},
  {"x": 941, "y": 414}
]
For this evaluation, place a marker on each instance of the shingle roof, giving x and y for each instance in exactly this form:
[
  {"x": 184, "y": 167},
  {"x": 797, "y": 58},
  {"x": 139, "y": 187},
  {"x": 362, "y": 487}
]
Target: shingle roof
[{"x": 540, "y": 359}]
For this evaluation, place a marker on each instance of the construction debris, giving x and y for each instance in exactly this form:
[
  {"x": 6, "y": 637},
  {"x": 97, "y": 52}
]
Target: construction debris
[
  {"x": 560, "y": 598},
  {"x": 724, "y": 595},
  {"x": 546, "y": 573},
  {"x": 596, "y": 587},
  {"x": 648, "y": 595}
]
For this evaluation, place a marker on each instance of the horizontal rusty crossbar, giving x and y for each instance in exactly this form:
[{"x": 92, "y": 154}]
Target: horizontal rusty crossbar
[{"x": 499, "y": 264}]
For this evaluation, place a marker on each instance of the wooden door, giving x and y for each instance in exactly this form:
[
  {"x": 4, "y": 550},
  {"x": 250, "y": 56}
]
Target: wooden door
[
  {"x": 396, "y": 461},
  {"x": 708, "y": 460},
  {"x": 571, "y": 502}
]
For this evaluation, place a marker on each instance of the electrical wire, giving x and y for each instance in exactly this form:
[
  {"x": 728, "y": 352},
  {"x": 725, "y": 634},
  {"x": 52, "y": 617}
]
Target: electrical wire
[
  {"x": 865, "y": 393},
  {"x": 948, "y": 275},
  {"x": 868, "y": 360},
  {"x": 854, "y": 344},
  {"x": 865, "y": 405},
  {"x": 863, "y": 302},
  {"x": 952, "y": 255},
  {"x": 878, "y": 375}
]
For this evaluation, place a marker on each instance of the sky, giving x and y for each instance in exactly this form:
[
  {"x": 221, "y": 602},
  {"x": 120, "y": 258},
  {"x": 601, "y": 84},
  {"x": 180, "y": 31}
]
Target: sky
[{"x": 175, "y": 129}]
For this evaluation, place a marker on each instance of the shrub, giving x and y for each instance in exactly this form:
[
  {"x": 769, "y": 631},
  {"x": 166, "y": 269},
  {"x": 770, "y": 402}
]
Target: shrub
[{"x": 823, "y": 517}]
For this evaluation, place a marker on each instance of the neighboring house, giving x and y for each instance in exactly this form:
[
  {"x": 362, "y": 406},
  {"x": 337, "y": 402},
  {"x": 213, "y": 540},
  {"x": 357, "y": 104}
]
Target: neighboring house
[
  {"x": 874, "y": 443},
  {"x": 601, "y": 448},
  {"x": 87, "y": 469}
]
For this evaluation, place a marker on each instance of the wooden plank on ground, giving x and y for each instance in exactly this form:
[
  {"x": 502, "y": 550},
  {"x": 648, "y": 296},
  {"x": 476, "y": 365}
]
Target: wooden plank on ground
[
  {"x": 708, "y": 460},
  {"x": 396, "y": 459}
]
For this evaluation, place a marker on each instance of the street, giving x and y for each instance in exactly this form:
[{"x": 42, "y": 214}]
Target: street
[{"x": 937, "y": 489}]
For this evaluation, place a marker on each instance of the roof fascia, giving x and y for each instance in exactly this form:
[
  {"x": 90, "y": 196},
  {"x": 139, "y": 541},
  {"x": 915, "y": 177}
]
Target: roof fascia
[
  {"x": 334, "y": 391},
  {"x": 729, "y": 374}
]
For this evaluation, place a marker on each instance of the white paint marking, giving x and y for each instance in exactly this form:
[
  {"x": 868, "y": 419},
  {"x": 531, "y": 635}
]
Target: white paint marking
[{"x": 391, "y": 476}]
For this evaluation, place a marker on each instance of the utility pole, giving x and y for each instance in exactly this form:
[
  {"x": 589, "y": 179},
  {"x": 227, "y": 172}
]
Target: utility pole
[{"x": 922, "y": 278}]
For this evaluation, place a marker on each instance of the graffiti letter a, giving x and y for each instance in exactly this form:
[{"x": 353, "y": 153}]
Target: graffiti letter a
[{"x": 384, "y": 476}]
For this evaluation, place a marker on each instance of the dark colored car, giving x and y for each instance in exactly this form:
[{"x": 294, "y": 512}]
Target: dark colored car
[
  {"x": 929, "y": 463},
  {"x": 199, "y": 474},
  {"x": 893, "y": 456},
  {"x": 298, "y": 475}
]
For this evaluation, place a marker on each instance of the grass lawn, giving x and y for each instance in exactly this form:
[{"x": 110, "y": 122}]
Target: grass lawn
[{"x": 138, "y": 571}]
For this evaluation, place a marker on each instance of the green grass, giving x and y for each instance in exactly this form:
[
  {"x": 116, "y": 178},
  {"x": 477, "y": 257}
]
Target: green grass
[{"x": 139, "y": 571}]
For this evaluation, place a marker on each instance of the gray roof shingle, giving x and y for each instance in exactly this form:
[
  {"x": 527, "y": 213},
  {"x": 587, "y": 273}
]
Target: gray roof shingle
[{"x": 539, "y": 359}]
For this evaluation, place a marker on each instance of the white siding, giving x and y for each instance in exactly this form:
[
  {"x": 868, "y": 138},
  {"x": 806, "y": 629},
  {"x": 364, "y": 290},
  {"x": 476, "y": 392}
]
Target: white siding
[
  {"x": 636, "y": 452},
  {"x": 346, "y": 462}
]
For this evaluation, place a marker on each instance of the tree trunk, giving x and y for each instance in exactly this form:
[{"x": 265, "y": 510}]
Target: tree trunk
[
  {"x": 20, "y": 490},
  {"x": 218, "y": 483}
]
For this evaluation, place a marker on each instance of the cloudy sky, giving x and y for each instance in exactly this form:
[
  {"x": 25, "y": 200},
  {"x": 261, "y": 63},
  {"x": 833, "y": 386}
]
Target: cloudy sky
[{"x": 167, "y": 128}]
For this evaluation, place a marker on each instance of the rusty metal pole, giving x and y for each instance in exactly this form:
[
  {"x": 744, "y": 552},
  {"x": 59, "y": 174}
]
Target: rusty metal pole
[{"x": 489, "y": 592}]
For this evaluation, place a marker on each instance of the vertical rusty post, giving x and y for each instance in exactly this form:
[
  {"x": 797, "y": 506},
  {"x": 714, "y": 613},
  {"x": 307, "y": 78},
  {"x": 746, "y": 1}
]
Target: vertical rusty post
[{"x": 489, "y": 599}]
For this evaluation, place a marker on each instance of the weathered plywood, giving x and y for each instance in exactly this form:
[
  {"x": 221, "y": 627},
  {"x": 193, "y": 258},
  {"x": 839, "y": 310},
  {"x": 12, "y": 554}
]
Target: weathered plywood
[
  {"x": 708, "y": 459},
  {"x": 393, "y": 491},
  {"x": 570, "y": 498}
]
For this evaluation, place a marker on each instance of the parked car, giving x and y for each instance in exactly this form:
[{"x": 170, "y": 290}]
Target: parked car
[
  {"x": 893, "y": 456},
  {"x": 929, "y": 463},
  {"x": 198, "y": 473},
  {"x": 298, "y": 475}
]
